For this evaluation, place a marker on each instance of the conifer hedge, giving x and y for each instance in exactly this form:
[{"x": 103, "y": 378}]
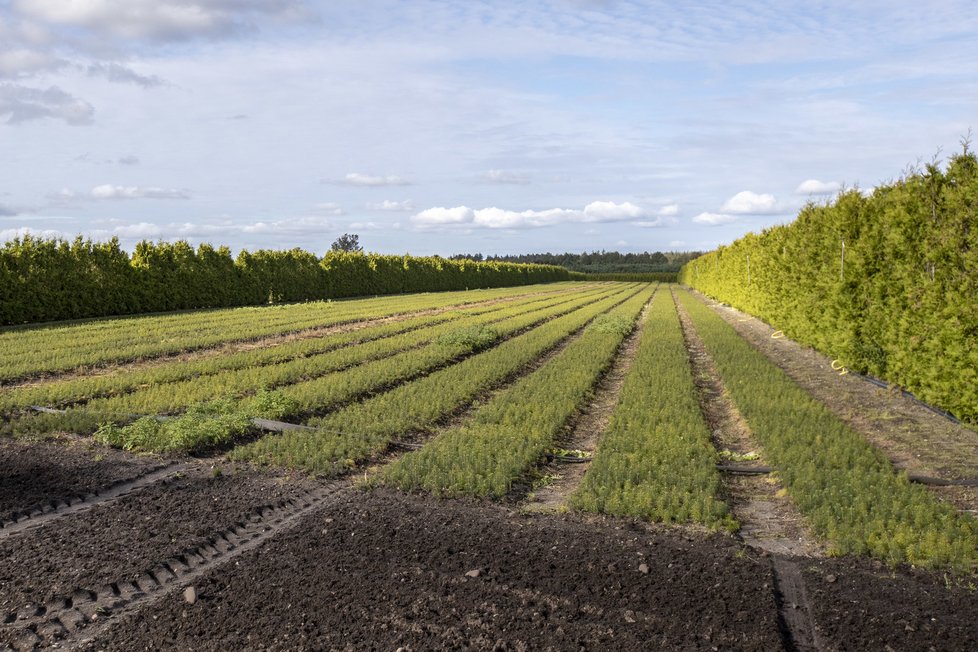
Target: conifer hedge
[
  {"x": 887, "y": 283},
  {"x": 53, "y": 279}
]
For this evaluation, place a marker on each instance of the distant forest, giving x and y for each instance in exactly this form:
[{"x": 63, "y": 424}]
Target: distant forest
[{"x": 601, "y": 262}]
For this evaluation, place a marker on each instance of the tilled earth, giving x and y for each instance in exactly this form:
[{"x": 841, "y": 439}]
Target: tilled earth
[{"x": 244, "y": 559}]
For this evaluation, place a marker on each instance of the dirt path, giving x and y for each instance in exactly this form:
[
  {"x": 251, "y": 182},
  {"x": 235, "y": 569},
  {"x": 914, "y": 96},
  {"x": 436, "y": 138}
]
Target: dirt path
[
  {"x": 769, "y": 520},
  {"x": 37, "y": 476},
  {"x": 914, "y": 438},
  {"x": 584, "y": 432},
  {"x": 92, "y": 558}
]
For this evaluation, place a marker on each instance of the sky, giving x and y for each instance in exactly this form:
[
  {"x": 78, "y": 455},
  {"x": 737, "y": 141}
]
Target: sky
[{"x": 451, "y": 126}]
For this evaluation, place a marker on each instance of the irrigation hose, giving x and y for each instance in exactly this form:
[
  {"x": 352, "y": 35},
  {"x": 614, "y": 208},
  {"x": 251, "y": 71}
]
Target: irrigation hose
[{"x": 777, "y": 335}]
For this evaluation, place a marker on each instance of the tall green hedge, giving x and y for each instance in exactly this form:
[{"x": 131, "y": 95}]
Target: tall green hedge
[
  {"x": 53, "y": 279},
  {"x": 886, "y": 283}
]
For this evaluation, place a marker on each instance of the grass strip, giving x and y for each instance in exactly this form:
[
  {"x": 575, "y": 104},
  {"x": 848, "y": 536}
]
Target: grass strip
[
  {"x": 849, "y": 491},
  {"x": 656, "y": 460}
]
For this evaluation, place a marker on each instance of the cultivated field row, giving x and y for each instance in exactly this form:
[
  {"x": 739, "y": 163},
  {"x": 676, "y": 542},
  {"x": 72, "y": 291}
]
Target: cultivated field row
[
  {"x": 486, "y": 394},
  {"x": 34, "y": 351}
]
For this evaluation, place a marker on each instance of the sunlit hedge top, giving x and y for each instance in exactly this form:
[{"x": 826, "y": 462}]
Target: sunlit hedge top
[{"x": 51, "y": 279}]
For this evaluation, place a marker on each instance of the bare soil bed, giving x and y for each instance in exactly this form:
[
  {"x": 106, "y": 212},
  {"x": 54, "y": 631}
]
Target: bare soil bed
[
  {"x": 384, "y": 570},
  {"x": 37, "y": 472},
  {"x": 388, "y": 571}
]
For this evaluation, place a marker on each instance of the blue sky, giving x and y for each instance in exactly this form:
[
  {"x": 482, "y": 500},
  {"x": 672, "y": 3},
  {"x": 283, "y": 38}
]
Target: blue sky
[{"x": 437, "y": 127}]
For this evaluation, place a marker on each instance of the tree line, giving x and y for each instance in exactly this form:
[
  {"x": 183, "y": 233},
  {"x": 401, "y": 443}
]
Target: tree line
[
  {"x": 600, "y": 262},
  {"x": 47, "y": 279}
]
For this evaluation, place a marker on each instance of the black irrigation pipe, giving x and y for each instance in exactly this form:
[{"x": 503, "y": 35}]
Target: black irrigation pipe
[
  {"x": 744, "y": 470},
  {"x": 567, "y": 459},
  {"x": 912, "y": 477},
  {"x": 881, "y": 383}
]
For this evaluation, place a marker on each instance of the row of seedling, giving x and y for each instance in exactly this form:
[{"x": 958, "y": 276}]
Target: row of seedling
[
  {"x": 31, "y": 351},
  {"x": 508, "y": 436},
  {"x": 317, "y": 382},
  {"x": 849, "y": 491},
  {"x": 363, "y": 430},
  {"x": 656, "y": 459},
  {"x": 81, "y": 389}
]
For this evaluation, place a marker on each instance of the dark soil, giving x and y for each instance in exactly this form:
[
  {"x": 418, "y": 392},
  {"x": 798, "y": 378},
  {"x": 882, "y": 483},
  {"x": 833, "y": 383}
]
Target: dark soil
[
  {"x": 117, "y": 541},
  {"x": 388, "y": 571},
  {"x": 42, "y": 471},
  {"x": 860, "y": 604},
  {"x": 384, "y": 570}
]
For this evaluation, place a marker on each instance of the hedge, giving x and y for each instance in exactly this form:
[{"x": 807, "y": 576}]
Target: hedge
[
  {"x": 54, "y": 279},
  {"x": 887, "y": 283}
]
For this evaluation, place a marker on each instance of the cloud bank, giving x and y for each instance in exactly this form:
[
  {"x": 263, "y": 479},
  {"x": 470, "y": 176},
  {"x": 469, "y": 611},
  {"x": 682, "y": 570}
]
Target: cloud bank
[{"x": 498, "y": 218}]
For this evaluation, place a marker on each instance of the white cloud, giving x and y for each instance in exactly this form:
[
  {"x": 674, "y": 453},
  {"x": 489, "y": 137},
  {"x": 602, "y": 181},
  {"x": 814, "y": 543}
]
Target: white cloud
[
  {"x": 308, "y": 224},
  {"x": 671, "y": 210},
  {"x": 750, "y": 203},
  {"x": 21, "y": 104},
  {"x": 658, "y": 222},
  {"x": 714, "y": 219},
  {"x": 677, "y": 243},
  {"x": 816, "y": 187},
  {"x": 108, "y": 191},
  {"x": 498, "y": 218},
  {"x": 389, "y": 205},
  {"x": 63, "y": 195},
  {"x": 158, "y": 19},
  {"x": 506, "y": 177},
  {"x": 439, "y": 215},
  {"x": 9, "y": 234},
  {"x": 608, "y": 211},
  {"x": 120, "y": 74},
  {"x": 357, "y": 179},
  {"x": 128, "y": 160}
]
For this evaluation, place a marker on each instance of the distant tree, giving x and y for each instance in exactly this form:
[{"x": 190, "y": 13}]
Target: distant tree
[{"x": 347, "y": 242}]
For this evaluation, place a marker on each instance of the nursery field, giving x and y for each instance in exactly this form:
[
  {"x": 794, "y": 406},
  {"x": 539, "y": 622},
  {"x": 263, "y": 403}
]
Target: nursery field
[{"x": 574, "y": 465}]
